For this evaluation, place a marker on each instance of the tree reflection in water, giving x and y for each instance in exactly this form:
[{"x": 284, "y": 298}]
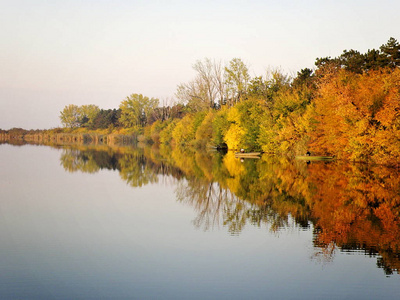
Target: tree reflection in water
[{"x": 351, "y": 207}]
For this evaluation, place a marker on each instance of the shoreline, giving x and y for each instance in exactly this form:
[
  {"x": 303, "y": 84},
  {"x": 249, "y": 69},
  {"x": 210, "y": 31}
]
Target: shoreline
[{"x": 64, "y": 138}]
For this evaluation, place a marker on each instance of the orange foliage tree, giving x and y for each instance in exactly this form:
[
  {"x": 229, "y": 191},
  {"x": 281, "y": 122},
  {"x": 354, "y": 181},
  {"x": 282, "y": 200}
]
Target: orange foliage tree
[{"x": 358, "y": 115}]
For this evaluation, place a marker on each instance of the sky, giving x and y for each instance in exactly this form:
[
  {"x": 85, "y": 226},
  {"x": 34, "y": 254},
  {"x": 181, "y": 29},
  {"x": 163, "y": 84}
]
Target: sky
[{"x": 54, "y": 53}]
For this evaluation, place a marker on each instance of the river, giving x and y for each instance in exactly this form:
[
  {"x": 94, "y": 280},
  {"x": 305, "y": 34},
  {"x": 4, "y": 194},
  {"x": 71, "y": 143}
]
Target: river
[{"x": 100, "y": 222}]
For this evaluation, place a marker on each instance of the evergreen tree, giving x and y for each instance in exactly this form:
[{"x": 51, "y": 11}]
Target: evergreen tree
[{"x": 391, "y": 53}]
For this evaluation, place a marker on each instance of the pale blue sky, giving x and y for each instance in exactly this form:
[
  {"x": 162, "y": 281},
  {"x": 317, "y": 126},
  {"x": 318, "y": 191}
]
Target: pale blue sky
[{"x": 54, "y": 53}]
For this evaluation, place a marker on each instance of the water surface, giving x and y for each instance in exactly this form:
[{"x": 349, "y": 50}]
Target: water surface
[{"x": 85, "y": 222}]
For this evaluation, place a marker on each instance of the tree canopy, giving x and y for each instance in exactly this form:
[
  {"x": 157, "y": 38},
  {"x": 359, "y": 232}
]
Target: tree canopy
[
  {"x": 79, "y": 116},
  {"x": 135, "y": 110}
]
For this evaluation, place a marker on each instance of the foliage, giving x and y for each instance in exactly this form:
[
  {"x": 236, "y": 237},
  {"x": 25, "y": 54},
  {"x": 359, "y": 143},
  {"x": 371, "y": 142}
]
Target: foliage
[
  {"x": 88, "y": 114},
  {"x": 258, "y": 88},
  {"x": 106, "y": 118},
  {"x": 235, "y": 132},
  {"x": 166, "y": 133},
  {"x": 73, "y": 116},
  {"x": 245, "y": 118},
  {"x": 276, "y": 82},
  {"x": 358, "y": 116},
  {"x": 185, "y": 131},
  {"x": 305, "y": 77},
  {"x": 220, "y": 126},
  {"x": 135, "y": 110},
  {"x": 70, "y": 116},
  {"x": 356, "y": 62},
  {"x": 292, "y": 121},
  {"x": 237, "y": 80},
  {"x": 204, "y": 132},
  {"x": 348, "y": 106},
  {"x": 391, "y": 53},
  {"x": 155, "y": 130},
  {"x": 251, "y": 111}
]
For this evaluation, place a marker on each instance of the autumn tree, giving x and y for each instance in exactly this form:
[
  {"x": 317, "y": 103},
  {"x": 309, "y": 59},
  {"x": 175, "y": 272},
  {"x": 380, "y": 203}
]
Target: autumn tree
[
  {"x": 135, "y": 110},
  {"x": 220, "y": 127},
  {"x": 207, "y": 89},
  {"x": 244, "y": 129},
  {"x": 258, "y": 88},
  {"x": 276, "y": 81},
  {"x": 237, "y": 79},
  {"x": 70, "y": 116},
  {"x": 88, "y": 114},
  {"x": 205, "y": 130},
  {"x": 291, "y": 114},
  {"x": 73, "y": 116},
  {"x": 358, "y": 116},
  {"x": 185, "y": 131}
]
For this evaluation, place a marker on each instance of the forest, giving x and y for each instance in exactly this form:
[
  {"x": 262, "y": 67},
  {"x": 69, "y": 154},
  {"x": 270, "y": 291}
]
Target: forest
[{"x": 347, "y": 106}]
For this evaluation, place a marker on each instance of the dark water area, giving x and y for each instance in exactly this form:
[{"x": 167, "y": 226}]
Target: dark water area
[{"x": 101, "y": 222}]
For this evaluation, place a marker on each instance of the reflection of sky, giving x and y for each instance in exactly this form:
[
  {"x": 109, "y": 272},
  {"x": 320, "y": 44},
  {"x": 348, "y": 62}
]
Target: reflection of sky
[{"x": 90, "y": 236}]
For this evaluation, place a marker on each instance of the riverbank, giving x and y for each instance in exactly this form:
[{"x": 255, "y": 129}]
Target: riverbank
[{"x": 64, "y": 138}]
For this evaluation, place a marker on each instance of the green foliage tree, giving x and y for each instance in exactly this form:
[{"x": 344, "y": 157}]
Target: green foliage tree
[
  {"x": 373, "y": 60},
  {"x": 70, "y": 116},
  {"x": 135, "y": 110},
  {"x": 290, "y": 122},
  {"x": 304, "y": 77},
  {"x": 106, "y": 118},
  {"x": 73, "y": 116},
  {"x": 237, "y": 80},
  {"x": 220, "y": 127},
  {"x": 166, "y": 133},
  {"x": 352, "y": 61},
  {"x": 244, "y": 129},
  {"x": 258, "y": 88},
  {"x": 276, "y": 82},
  {"x": 185, "y": 131},
  {"x": 356, "y": 62},
  {"x": 88, "y": 114},
  {"x": 205, "y": 129},
  {"x": 391, "y": 53}
]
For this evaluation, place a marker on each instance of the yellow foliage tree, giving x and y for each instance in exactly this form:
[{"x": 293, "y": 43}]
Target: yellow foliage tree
[
  {"x": 235, "y": 132},
  {"x": 204, "y": 132}
]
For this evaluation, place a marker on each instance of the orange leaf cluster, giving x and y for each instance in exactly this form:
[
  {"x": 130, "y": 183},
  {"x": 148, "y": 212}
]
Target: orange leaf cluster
[{"x": 358, "y": 116}]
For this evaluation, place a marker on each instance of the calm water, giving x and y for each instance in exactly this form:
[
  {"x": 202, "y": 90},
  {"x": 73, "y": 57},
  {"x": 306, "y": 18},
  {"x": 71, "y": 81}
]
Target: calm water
[{"x": 125, "y": 223}]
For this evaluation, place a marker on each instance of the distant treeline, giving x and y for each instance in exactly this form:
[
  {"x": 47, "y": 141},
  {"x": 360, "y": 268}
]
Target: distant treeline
[{"x": 346, "y": 106}]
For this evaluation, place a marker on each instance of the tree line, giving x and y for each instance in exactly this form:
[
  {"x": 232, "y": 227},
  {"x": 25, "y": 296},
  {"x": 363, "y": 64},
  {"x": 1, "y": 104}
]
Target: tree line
[{"x": 346, "y": 106}]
